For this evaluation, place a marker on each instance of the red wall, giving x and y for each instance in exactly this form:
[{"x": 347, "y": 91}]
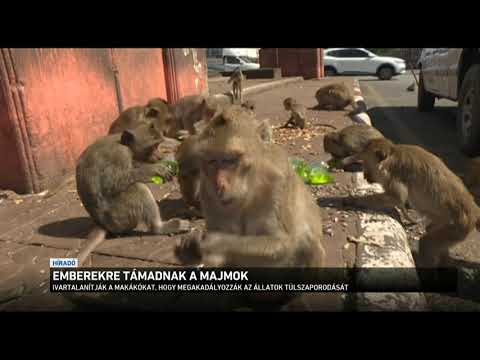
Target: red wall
[
  {"x": 186, "y": 72},
  {"x": 306, "y": 62},
  {"x": 55, "y": 102}
]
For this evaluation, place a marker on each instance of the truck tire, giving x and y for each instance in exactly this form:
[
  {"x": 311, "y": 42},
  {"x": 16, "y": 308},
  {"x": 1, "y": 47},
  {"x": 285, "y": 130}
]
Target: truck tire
[
  {"x": 425, "y": 99},
  {"x": 468, "y": 115}
]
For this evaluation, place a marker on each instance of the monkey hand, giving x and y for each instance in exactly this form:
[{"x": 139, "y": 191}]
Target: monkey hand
[
  {"x": 210, "y": 247},
  {"x": 164, "y": 171},
  {"x": 188, "y": 250},
  {"x": 335, "y": 163}
]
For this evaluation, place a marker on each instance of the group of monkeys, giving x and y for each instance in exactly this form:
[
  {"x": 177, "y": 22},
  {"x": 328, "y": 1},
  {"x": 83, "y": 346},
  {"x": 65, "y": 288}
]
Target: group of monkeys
[{"x": 258, "y": 211}]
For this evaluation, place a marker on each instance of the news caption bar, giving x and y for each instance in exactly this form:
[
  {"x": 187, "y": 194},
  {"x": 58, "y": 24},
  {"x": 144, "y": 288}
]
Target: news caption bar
[{"x": 66, "y": 277}]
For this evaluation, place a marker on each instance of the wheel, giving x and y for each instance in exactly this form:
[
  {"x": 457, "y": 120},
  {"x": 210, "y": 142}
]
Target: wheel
[
  {"x": 425, "y": 99},
  {"x": 330, "y": 71},
  {"x": 385, "y": 73},
  {"x": 468, "y": 115}
]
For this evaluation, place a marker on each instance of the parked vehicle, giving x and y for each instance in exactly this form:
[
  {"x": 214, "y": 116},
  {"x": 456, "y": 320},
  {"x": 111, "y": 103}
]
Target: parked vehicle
[
  {"x": 359, "y": 61},
  {"x": 453, "y": 73},
  {"x": 228, "y": 59}
]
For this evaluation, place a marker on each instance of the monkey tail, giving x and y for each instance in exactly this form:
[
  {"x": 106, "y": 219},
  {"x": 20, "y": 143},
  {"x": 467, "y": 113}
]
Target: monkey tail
[{"x": 96, "y": 237}]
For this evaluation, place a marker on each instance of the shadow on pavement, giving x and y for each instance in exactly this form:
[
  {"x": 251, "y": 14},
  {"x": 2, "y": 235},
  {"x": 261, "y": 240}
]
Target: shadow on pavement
[
  {"x": 434, "y": 131},
  {"x": 69, "y": 228}
]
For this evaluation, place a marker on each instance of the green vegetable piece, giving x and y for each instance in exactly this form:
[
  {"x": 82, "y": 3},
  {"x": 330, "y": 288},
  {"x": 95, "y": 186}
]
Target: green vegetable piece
[
  {"x": 319, "y": 175},
  {"x": 158, "y": 180}
]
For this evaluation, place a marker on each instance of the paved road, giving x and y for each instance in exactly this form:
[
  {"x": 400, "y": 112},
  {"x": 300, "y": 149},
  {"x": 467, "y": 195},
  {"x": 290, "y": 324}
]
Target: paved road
[{"x": 393, "y": 112}]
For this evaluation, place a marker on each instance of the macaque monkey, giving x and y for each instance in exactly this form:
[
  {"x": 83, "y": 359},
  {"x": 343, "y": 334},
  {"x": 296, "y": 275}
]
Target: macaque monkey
[
  {"x": 111, "y": 175},
  {"x": 408, "y": 172},
  {"x": 192, "y": 109},
  {"x": 189, "y": 161},
  {"x": 258, "y": 211},
  {"x": 335, "y": 97},
  {"x": 187, "y": 157},
  {"x": 236, "y": 80},
  {"x": 344, "y": 144},
  {"x": 157, "y": 111},
  {"x": 297, "y": 113}
]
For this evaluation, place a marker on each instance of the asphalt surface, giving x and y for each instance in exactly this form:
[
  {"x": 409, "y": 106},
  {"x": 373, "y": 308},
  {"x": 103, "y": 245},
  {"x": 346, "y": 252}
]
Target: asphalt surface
[{"x": 393, "y": 111}]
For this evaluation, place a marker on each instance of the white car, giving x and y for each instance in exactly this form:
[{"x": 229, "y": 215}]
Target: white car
[
  {"x": 359, "y": 61},
  {"x": 453, "y": 73},
  {"x": 228, "y": 59}
]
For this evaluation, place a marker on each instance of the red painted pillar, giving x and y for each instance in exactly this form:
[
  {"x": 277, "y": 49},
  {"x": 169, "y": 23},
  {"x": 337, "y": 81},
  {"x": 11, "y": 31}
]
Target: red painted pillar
[
  {"x": 186, "y": 72},
  {"x": 321, "y": 63}
]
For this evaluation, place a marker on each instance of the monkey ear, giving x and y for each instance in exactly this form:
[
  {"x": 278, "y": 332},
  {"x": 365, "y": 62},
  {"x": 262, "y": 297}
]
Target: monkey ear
[{"x": 128, "y": 138}]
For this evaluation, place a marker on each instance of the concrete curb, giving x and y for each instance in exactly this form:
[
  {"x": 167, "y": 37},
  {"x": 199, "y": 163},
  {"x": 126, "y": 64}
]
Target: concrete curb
[
  {"x": 383, "y": 243},
  {"x": 259, "y": 88}
]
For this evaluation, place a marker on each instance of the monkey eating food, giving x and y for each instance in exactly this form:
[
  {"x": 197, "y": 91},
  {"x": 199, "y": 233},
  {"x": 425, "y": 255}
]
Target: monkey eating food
[
  {"x": 111, "y": 179},
  {"x": 344, "y": 144},
  {"x": 408, "y": 172}
]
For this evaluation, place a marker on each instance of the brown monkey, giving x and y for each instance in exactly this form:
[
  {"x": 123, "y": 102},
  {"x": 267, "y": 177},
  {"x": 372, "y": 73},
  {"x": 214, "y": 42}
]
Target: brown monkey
[
  {"x": 348, "y": 141},
  {"x": 258, "y": 211},
  {"x": 297, "y": 113},
  {"x": 188, "y": 158},
  {"x": 191, "y": 109},
  {"x": 111, "y": 175},
  {"x": 408, "y": 172},
  {"x": 157, "y": 111},
  {"x": 335, "y": 97},
  {"x": 236, "y": 80}
]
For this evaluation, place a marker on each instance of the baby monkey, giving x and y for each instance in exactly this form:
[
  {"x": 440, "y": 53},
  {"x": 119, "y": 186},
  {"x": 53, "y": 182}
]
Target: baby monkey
[{"x": 297, "y": 114}]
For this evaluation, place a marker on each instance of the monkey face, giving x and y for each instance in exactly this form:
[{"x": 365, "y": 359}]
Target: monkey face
[
  {"x": 162, "y": 116},
  {"x": 372, "y": 157},
  {"x": 287, "y": 104},
  {"x": 332, "y": 144},
  {"x": 225, "y": 175},
  {"x": 145, "y": 143}
]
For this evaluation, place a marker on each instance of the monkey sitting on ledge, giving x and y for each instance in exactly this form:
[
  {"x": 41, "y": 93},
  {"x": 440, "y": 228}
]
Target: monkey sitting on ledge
[{"x": 408, "y": 172}]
